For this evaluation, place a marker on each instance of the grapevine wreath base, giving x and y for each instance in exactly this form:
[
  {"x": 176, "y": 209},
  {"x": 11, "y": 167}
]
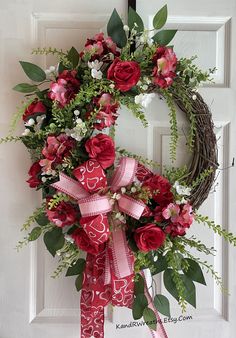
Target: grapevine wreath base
[
  {"x": 105, "y": 201},
  {"x": 204, "y": 157}
]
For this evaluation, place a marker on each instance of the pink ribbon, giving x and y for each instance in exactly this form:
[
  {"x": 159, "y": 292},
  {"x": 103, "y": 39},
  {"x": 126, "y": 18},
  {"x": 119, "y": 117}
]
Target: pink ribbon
[{"x": 109, "y": 276}]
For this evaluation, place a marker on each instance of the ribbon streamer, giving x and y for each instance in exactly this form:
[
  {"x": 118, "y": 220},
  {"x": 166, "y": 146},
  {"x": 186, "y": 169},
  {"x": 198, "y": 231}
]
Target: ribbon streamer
[{"x": 108, "y": 276}]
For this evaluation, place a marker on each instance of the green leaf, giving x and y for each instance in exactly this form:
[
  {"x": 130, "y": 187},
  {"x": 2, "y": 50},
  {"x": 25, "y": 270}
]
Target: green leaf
[
  {"x": 42, "y": 219},
  {"x": 35, "y": 233},
  {"x": 133, "y": 18},
  {"x": 160, "y": 265},
  {"x": 139, "y": 304},
  {"x": 194, "y": 271},
  {"x": 33, "y": 71},
  {"x": 139, "y": 285},
  {"x": 79, "y": 282},
  {"x": 54, "y": 240},
  {"x": 150, "y": 318},
  {"x": 115, "y": 29},
  {"x": 162, "y": 305},
  {"x": 169, "y": 284},
  {"x": 61, "y": 67},
  {"x": 77, "y": 268},
  {"x": 25, "y": 88},
  {"x": 164, "y": 37},
  {"x": 190, "y": 290},
  {"x": 160, "y": 18},
  {"x": 73, "y": 56}
]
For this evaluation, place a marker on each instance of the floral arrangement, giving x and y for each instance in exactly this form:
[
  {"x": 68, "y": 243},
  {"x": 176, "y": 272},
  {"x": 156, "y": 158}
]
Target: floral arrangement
[{"x": 105, "y": 201}]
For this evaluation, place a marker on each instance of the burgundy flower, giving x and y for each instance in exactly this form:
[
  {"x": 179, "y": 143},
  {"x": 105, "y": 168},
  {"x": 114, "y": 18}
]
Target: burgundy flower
[
  {"x": 165, "y": 66},
  {"x": 149, "y": 237},
  {"x": 34, "y": 172},
  {"x": 63, "y": 214},
  {"x": 125, "y": 74},
  {"x": 65, "y": 88},
  {"x": 36, "y": 107},
  {"x": 160, "y": 188},
  {"x": 55, "y": 150},
  {"x": 99, "y": 46},
  {"x": 84, "y": 243},
  {"x": 101, "y": 148}
]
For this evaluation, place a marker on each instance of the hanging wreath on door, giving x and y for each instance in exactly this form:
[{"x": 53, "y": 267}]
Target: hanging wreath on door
[{"x": 114, "y": 205}]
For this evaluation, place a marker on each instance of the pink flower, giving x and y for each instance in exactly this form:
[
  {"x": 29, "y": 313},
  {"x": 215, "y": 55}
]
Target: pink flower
[
  {"x": 182, "y": 222},
  {"x": 65, "y": 88},
  {"x": 171, "y": 212},
  {"x": 165, "y": 66},
  {"x": 58, "y": 92},
  {"x": 55, "y": 150},
  {"x": 107, "y": 113},
  {"x": 186, "y": 217},
  {"x": 63, "y": 214}
]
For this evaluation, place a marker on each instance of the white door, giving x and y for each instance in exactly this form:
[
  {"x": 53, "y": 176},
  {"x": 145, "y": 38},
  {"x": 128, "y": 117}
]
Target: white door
[{"x": 33, "y": 305}]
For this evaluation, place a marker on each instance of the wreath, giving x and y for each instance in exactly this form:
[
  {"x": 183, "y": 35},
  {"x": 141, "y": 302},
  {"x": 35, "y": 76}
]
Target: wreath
[{"x": 105, "y": 201}]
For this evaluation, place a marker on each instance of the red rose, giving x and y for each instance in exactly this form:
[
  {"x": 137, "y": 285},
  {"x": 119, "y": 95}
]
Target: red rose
[
  {"x": 160, "y": 188},
  {"x": 125, "y": 74},
  {"x": 101, "y": 148},
  {"x": 149, "y": 237},
  {"x": 165, "y": 66},
  {"x": 36, "y": 107},
  {"x": 63, "y": 214},
  {"x": 84, "y": 243},
  {"x": 34, "y": 172}
]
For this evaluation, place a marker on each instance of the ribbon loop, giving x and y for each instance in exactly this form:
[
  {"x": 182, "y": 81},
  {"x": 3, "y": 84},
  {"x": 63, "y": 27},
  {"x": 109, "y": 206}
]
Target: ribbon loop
[
  {"x": 131, "y": 207},
  {"x": 124, "y": 173},
  {"x": 94, "y": 205},
  {"x": 70, "y": 187}
]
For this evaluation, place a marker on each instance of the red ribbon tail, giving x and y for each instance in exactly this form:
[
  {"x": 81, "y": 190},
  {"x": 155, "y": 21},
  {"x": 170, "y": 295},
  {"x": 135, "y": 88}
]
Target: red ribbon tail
[{"x": 92, "y": 321}]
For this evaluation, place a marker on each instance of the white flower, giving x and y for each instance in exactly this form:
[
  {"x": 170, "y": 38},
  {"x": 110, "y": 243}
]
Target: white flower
[
  {"x": 182, "y": 201},
  {"x": 51, "y": 71},
  {"x": 182, "y": 190},
  {"x": 43, "y": 179},
  {"x": 26, "y": 132},
  {"x": 123, "y": 190},
  {"x": 68, "y": 238},
  {"x": 30, "y": 123},
  {"x": 96, "y": 74},
  {"x": 126, "y": 28},
  {"x": 95, "y": 64},
  {"x": 144, "y": 99},
  {"x": 76, "y": 112},
  {"x": 194, "y": 97},
  {"x": 79, "y": 131}
]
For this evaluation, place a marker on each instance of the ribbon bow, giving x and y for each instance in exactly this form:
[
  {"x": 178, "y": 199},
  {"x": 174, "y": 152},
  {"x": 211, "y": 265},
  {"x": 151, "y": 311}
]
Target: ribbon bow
[{"x": 109, "y": 275}]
